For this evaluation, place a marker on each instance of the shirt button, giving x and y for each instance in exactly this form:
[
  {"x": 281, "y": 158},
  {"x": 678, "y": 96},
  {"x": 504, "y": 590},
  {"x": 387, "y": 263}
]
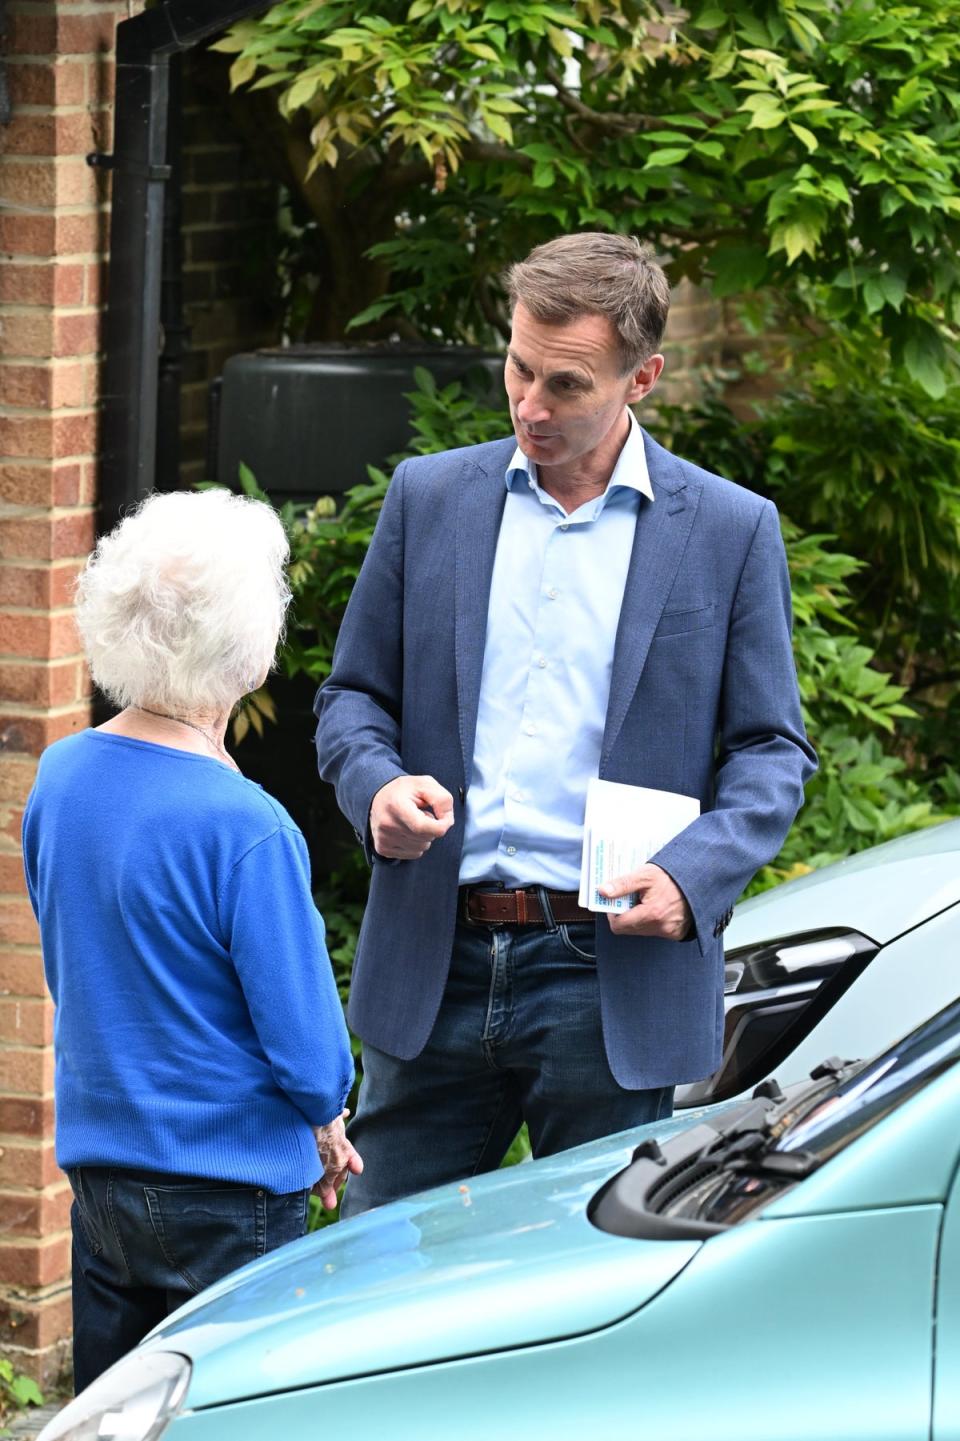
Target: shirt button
[
  {"x": 542, "y": 662},
  {"x": 564, "y": 527},
  {"x": 530, "y": 730},
  {"x": 553, "y": 592},
  {"x": 511, "y": 850},
  {"x": 517, "y": 795}
]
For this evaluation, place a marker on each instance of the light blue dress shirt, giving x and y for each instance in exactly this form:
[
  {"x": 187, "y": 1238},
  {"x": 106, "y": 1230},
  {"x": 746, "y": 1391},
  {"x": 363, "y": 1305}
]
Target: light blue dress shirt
[{"x": 552, "y": 621}]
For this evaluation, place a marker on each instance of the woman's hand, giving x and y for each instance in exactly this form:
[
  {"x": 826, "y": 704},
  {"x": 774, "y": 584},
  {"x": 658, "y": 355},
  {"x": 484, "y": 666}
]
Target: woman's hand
[{"x": 338, "y": 1158}]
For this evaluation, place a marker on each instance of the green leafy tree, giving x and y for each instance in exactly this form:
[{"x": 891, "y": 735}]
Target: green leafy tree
[{"x": 805, "y": 149}]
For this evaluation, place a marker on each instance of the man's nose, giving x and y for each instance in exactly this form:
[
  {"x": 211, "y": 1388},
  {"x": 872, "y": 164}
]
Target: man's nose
[{"x": 531, "y": 407}]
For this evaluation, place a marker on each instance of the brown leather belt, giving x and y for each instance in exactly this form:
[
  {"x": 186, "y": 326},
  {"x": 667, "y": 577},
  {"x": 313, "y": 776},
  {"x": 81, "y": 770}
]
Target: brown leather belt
[{"x": 520, "y": 908}]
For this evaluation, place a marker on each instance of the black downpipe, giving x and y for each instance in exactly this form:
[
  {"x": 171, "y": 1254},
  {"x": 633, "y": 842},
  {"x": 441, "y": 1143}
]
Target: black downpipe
[
  {"x": 173, "y": 334},
  {"x": 140, "y": 174}
]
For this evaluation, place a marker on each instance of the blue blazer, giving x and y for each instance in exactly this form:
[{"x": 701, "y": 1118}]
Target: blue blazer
[{"x": 703, "y": 700}]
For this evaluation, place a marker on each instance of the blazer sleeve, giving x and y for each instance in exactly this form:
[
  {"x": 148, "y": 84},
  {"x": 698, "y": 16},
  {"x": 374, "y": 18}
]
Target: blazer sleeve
[
  {"x": 763, "y": 758},
  {"x": 358, "y": 707}
]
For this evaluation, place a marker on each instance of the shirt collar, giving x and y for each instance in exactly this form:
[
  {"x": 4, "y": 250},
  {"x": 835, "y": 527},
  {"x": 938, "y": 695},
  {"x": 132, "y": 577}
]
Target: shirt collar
[{"x": 630, "y": 471}]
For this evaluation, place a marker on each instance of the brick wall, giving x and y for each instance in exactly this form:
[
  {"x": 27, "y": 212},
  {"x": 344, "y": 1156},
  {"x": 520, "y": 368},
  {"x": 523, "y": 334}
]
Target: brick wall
[{"x": 52, "y": 239}]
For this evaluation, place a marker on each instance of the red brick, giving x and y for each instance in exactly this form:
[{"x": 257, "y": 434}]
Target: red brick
[
  {"x": 29, "y": 1264},
  {"x": 43, "y": 538},
  {"x": 43, "y": 284},
  {"x": 17, "y": 927},
  {"x": 24, "y": 483},
  {"x": 27, "y": 1022},
  {"x": 31, "y": 734},
  {"x": 80, "y": 234},
  {"x": 86, "y": 34},
  {"x": 94, "y": 291},
  {"x": 11, "y": 826},
  {"x": 47, "y": 135},
  {"x": 27, "y": 1116},
  {"x": 49, "y": 235},
  {"x": 27, "y": 635},
  {"x": 25, "y": 1070},
  {"x": 26, "y": 332},
  {"x": 46, "y": 83},
  {"x": 30, "y": 183},
  {"x": 76, "y": 334},
  {"x": 31, "y": 35},
  {"x": 16, "y": 778},
  {"x": 35, "y": 1325},
  {"x": 34, "y": 1166},
  {"x": 26, "y": 385},
  {"x": 43, "y": 387},
  {"x": 21, "y": 974},
  {"x": 25, "y": 586},
  {"x": 67, "y": 479},
  {"x": 36, "y": 1213},
  {"x": 26, "y": 435},
  {"x": 11, "y": 877}
]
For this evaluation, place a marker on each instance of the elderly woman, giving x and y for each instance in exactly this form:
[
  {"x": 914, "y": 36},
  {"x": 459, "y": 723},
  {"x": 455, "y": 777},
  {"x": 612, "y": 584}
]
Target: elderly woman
[{"x": 202, "y": 1063}]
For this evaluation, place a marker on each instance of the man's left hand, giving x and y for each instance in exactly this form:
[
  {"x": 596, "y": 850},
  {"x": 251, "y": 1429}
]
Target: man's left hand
[{"x": 661, "y": 908}]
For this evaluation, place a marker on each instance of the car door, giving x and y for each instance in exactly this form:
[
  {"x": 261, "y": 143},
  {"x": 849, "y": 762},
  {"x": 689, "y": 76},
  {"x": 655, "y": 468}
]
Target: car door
[{"x": 946, "y": 1380}]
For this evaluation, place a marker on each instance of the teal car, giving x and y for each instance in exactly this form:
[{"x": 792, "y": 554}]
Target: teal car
[{"x": 780, "y": 1268}]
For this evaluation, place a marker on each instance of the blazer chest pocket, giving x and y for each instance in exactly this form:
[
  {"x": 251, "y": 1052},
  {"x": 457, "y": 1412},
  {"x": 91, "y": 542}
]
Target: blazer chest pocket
[{"x": 679, "y": 622}]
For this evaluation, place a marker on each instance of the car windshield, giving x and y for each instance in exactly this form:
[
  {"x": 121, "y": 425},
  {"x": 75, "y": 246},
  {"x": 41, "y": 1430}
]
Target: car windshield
[{"x": 864, "y": 1094}]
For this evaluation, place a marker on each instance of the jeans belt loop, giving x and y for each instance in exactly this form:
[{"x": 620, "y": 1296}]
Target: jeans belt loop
[{"x": 549, "y": 920}]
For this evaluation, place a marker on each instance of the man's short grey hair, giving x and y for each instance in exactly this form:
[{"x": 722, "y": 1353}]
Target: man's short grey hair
[
  {"x": 182, "y": 605},
  {"x": 597, "y": 274}
]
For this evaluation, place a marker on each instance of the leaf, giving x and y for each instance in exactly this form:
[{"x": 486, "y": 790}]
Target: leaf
[
  {"x": 806, "y": 136},
  {"x": 248, "y": 483},
  {"x": 711, "y": 148},
  {"x": 498, "y": 125},
  {"x": 659, "y": 158},
  {"x": 766, "y": 120},
  {"x": 25, "y": 1391},
  {"x": 559, "y": 41},
  {"x": 711, "y": 17},
  {"x": 243, "y": 69},
  {"x": 544, "y": 175},
  {"x": 796, "y": 238},
  {"x": 893, "y": 284},
  {"x": 833, "y": 185},
  {"x": 301, "y": 92},
  {"x": 923, "y": 363}
]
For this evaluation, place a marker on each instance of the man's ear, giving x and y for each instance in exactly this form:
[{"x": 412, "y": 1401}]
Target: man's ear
[{"x": 645, "y": 378}]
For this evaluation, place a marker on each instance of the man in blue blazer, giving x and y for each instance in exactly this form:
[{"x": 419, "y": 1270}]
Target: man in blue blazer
[{"x": 571, "y": 602}]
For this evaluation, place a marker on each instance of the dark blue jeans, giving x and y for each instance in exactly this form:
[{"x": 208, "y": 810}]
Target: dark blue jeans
[
  {"x": 144, "y": 1242},
  {"x": 518, "y": 1038}
]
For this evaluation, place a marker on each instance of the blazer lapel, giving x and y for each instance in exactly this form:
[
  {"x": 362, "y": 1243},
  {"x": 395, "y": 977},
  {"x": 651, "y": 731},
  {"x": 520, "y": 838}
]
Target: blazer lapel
[
  {"x": 658, "y": 545},
  {"x": 480, "y": 505}
]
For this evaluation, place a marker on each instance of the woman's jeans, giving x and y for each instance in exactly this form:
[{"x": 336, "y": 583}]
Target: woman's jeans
[{"x": 144, "y": 1242}]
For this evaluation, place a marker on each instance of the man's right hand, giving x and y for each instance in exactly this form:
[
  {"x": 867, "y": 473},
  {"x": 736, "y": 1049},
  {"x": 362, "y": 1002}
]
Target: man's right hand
[{"x": 407, "y": 815}]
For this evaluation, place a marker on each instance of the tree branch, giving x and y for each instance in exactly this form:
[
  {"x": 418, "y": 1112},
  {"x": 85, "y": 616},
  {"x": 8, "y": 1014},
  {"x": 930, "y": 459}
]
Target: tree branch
[{"x": 613, "y": 122}]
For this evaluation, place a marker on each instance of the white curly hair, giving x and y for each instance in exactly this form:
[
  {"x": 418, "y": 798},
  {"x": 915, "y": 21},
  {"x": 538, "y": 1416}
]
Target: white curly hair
[{"x": 182, "y": 605}]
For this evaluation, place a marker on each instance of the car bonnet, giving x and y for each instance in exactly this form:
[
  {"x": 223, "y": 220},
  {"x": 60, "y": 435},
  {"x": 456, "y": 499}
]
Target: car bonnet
[{"x": 501, "y": 1261}]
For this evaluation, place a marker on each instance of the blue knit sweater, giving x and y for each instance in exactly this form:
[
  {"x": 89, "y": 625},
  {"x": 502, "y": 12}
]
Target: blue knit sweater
[{"x": 198, "y": 1029}]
